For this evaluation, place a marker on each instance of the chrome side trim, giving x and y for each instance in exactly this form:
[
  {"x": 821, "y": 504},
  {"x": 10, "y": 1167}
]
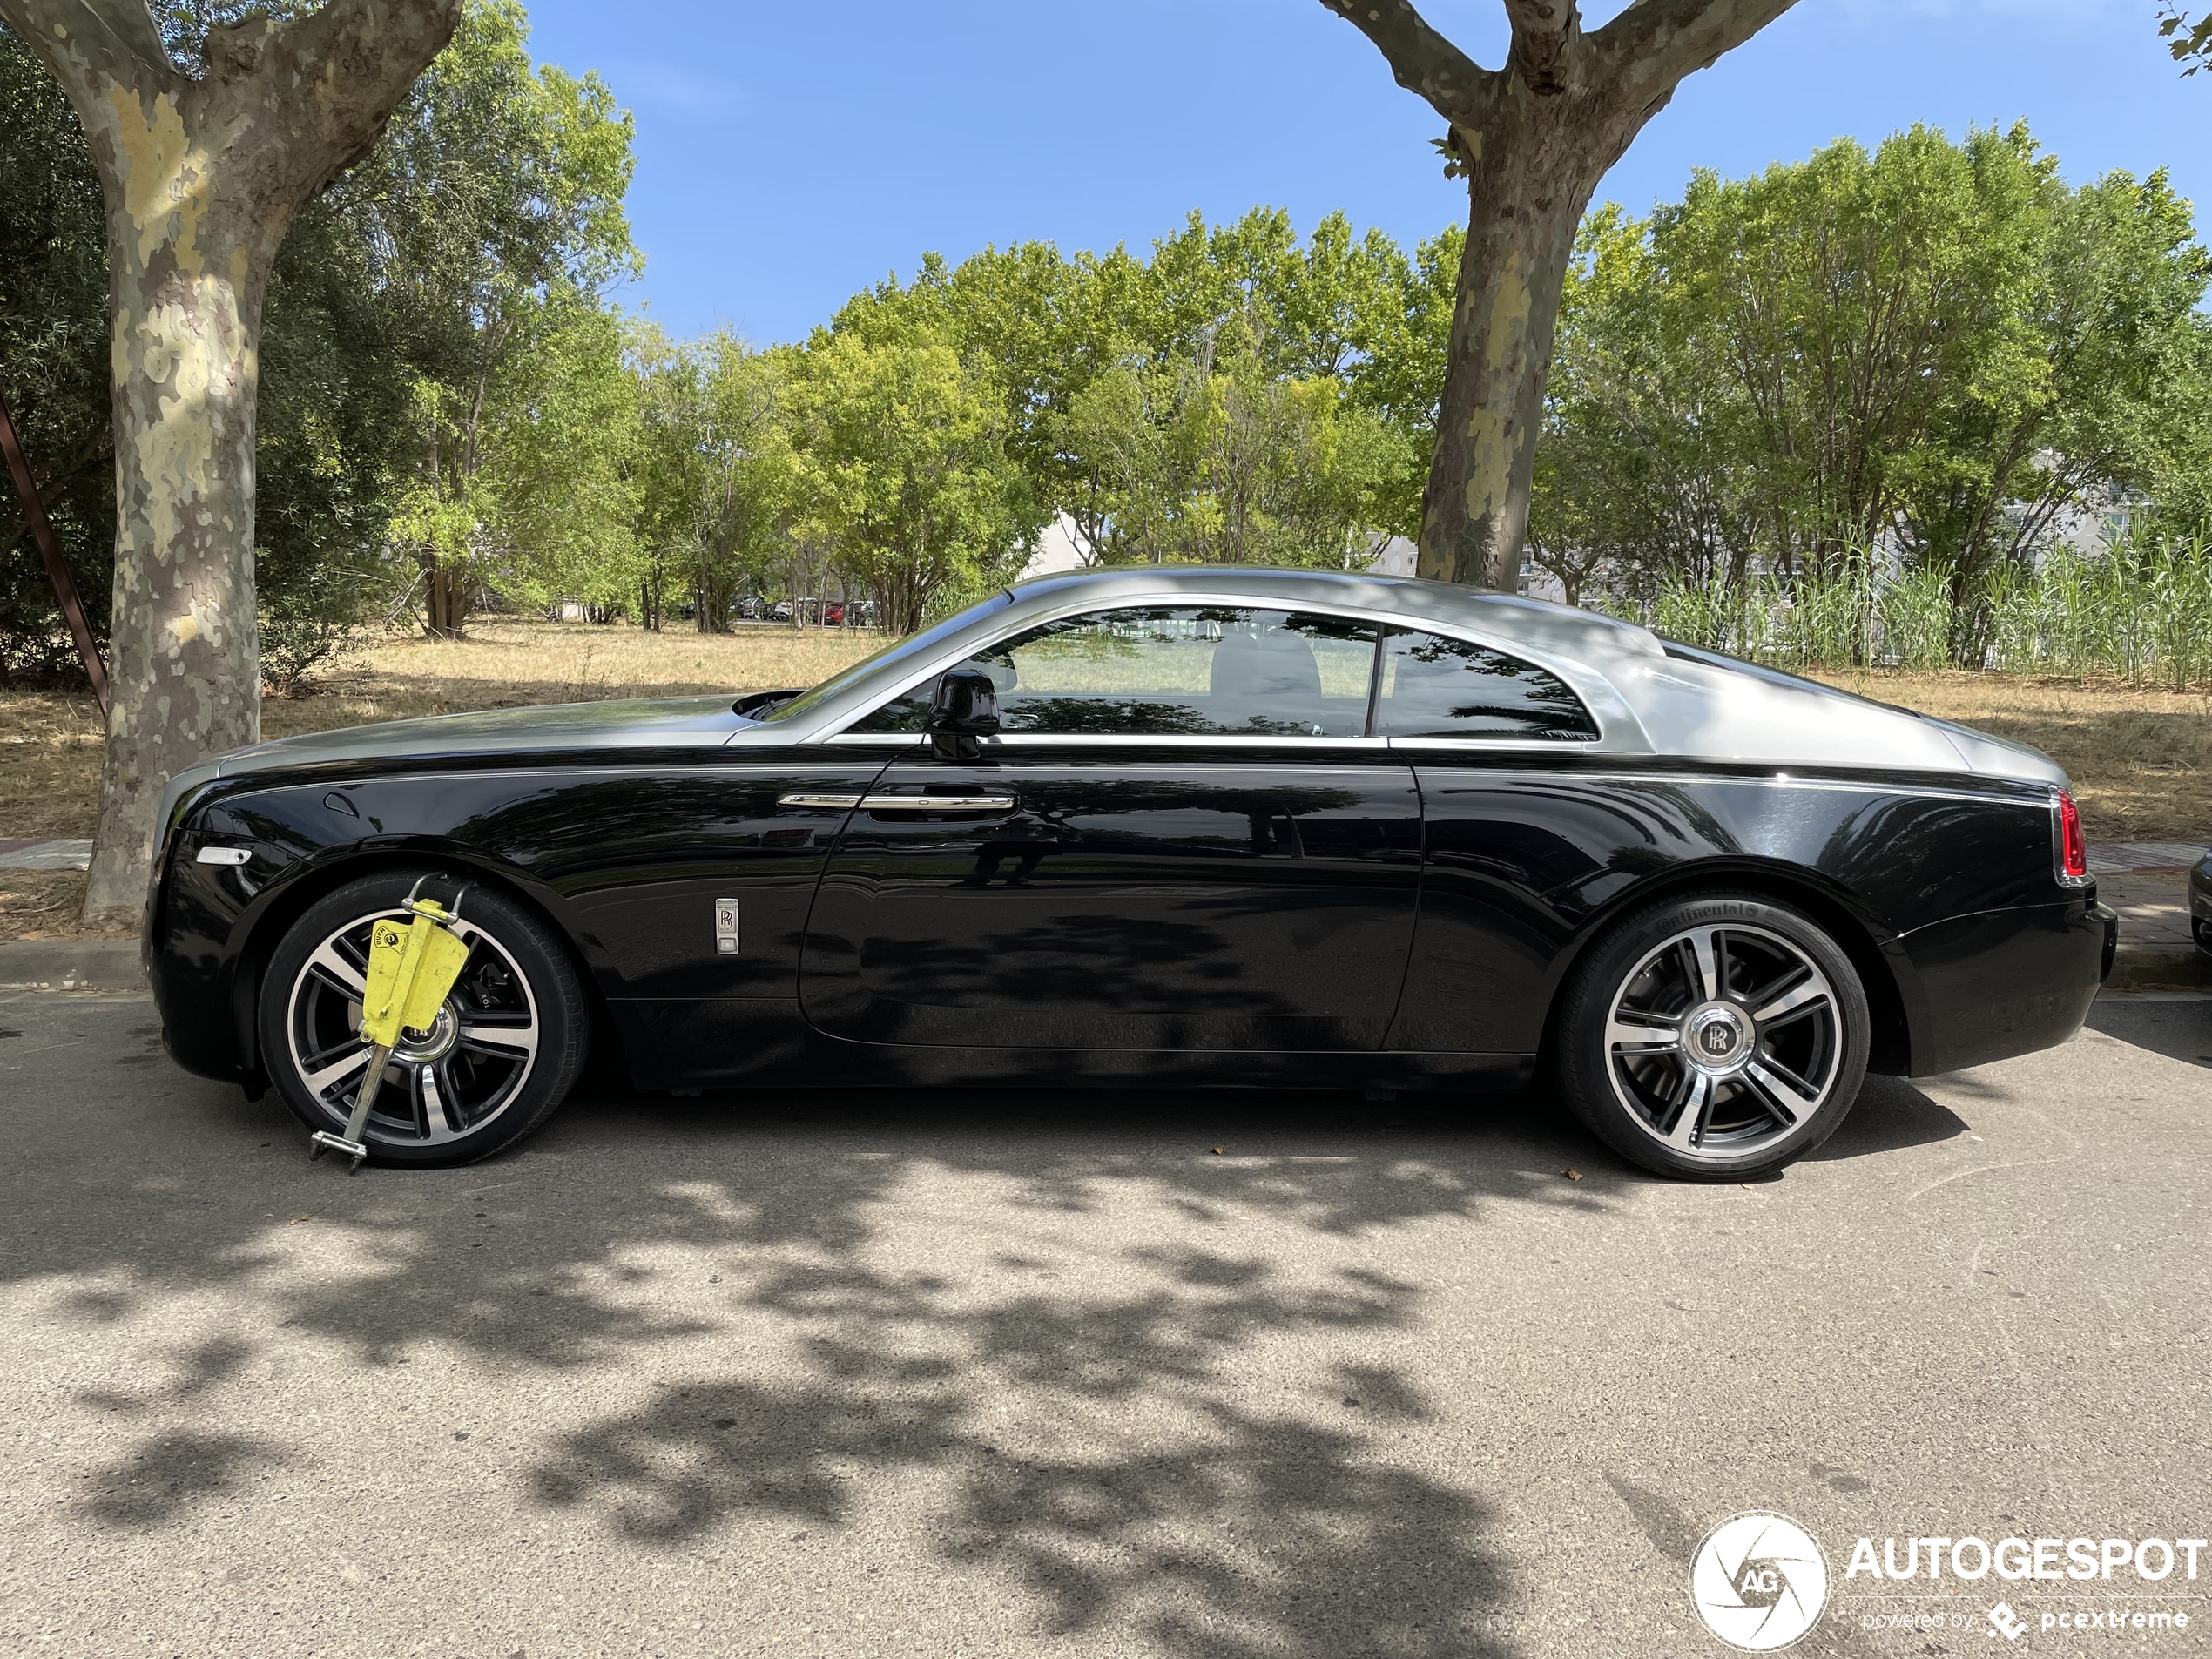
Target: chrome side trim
[
  {"x": 1534, "y": 745},
  {"x": 1783, "y": 781},
  {"x": 1177, "y": 740},
  {"x": 829, "y": 803},
  {"x": 1135, "y": 740},
  {"x": 937, "y": 803}
]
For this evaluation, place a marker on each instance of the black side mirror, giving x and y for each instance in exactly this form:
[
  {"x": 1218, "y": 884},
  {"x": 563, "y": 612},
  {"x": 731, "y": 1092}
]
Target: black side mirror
[{"x": 965, "y": 709}]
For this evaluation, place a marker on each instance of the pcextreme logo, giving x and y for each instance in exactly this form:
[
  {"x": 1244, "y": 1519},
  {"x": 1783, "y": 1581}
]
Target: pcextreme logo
[{"x": 1759, "y": 1582}]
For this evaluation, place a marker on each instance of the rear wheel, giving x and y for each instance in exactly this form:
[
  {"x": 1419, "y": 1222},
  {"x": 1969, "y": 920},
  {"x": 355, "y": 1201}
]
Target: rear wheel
[
  {"x": 503, "y": 1052},
  {"x": 1714, "y": 1035}
]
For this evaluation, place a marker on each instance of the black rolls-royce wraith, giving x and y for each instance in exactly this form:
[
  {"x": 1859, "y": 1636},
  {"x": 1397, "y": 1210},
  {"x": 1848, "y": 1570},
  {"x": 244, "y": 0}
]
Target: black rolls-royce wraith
[{"x": 1241, "y": 824}]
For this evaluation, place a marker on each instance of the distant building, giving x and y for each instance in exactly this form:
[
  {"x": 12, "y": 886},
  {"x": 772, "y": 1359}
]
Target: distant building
[
  {"x": 1399, "y": 558},
  {"x": 1541, "y": 584},
  {"x": 1056, "y": 551}
]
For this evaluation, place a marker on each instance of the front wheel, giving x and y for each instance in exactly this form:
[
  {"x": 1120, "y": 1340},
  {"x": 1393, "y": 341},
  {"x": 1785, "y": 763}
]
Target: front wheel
[
  {"x": 1714, "y": 1035},
  {"x": 503, "y": 1052}
]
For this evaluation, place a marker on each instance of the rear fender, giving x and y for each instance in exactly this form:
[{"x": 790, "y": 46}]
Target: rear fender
[{"x": 1893, "y": 988}]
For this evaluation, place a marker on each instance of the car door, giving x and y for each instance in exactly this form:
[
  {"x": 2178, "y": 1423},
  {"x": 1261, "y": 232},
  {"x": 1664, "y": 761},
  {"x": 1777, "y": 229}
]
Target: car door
[
  {"x": 1518, "y": 850},
  {"x": 1181, "y": 840}
]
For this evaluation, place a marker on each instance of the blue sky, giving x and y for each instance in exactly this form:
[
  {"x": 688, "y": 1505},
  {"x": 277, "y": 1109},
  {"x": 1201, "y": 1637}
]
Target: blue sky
[{"x": 790, "y": 155}]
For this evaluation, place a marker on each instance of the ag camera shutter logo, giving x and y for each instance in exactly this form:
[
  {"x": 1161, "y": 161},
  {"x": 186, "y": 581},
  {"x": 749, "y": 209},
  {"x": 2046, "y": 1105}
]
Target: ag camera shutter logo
[{"x": 1759, "y": 1582}]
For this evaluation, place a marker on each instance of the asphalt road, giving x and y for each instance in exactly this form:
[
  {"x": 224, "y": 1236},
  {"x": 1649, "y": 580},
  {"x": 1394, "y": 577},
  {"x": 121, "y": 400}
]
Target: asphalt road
[{"x": 1048, "y": 1373}]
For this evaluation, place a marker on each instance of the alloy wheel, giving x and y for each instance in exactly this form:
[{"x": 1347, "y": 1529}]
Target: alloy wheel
[
  {"x": 1724, "y": 1039},
  {"x": 464, "y": 1073}
]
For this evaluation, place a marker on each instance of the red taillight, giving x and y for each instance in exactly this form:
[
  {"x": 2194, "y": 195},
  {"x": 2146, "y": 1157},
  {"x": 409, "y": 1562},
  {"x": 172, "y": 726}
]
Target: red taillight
[{"x": 2074, "y": 852}]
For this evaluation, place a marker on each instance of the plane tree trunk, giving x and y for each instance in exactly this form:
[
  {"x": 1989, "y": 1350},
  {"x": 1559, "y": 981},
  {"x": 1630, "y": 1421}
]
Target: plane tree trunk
[
  {"x": 1532, "y": 139},
  {"x": 201, "y": 179}
]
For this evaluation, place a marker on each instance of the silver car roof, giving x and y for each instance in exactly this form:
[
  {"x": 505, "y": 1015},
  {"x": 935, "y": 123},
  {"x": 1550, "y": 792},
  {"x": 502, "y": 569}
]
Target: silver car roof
[{"x": 1646, "y": 699}]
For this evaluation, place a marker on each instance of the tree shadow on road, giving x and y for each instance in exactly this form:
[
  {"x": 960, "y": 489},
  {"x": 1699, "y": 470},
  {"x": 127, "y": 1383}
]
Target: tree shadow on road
[
  {"x": 1065, "y": 1383},
  {"x": 1002, "y": 1382}
]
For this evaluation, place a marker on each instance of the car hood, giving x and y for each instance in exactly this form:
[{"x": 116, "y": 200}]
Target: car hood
[{"x": 645, "y": 722}]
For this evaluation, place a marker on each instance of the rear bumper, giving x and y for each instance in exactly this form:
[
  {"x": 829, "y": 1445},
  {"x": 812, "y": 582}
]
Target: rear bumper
[{"x": 2004, "y": 982}]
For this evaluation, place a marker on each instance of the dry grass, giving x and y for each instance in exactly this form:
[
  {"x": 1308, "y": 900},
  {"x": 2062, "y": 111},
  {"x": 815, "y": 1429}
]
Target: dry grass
[
  {"x": 507, "y": 663},
  {"x": 2142, "y": 760},
  {"x": 49, "y": 765},
  {"x": 49, "y": 743},
  {"x": 43, "y": 904}
]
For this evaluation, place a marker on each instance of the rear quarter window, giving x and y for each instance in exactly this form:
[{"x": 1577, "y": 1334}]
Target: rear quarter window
[{"x": 1435, "y": 686}]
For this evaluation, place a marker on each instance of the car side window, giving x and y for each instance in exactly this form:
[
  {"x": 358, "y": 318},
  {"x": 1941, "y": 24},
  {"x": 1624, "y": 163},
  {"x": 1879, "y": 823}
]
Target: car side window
[
  {"x": 1433, "y": 686},
  {"x": 1199, "y": 670}
]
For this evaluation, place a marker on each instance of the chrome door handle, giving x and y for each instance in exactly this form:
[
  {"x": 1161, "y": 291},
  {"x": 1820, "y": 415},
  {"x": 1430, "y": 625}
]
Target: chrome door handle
[
  {"x": 833, "y": 802},
  {"x": 936, "y": 803}
]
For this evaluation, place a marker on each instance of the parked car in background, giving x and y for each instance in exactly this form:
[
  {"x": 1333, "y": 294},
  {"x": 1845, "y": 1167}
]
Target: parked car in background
[
  {"x": 1152, "y": 824},
  {"x": 2200, "y": 903}
]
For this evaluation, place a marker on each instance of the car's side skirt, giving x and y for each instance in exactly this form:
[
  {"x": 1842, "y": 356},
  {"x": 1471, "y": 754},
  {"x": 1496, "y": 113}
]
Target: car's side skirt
[{"x": 717, "y": 1043}]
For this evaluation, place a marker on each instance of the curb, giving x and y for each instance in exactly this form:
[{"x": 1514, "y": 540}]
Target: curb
[
  {"x": 2170, "y": 968},
  {"x": 71, "y": 965}
]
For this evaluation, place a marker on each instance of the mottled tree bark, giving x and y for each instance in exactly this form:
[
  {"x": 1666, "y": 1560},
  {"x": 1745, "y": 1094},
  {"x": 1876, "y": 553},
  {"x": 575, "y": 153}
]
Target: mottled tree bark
[
  {"x": 202, "y": 177},
  {"x": 1532, "y": 140}
]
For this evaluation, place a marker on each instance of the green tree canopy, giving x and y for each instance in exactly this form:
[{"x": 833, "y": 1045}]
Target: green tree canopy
[
  {"x": 1938, "y": 347},
  {"x": 494, "y": 203},
  {"x": 904, "y": 468},
  {"x": 716, "y": 484},
  {"x": 53, "y": 360}
]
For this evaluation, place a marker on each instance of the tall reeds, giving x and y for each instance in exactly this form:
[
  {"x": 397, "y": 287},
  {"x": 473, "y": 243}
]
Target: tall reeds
[{"x": 2135, "y": 611}]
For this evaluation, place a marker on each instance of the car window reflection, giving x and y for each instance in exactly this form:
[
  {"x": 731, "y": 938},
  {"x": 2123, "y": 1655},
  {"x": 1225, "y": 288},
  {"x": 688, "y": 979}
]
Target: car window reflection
[
  {"x": 1207, "y": 671},
  {"x": 1433, "y": 686}
]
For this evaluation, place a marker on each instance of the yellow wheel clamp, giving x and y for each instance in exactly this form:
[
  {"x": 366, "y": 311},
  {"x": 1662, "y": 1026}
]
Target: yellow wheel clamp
[{"x": 412, "y": 966}]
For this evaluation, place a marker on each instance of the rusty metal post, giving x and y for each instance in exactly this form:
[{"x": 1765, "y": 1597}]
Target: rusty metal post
[{"x": 42, "y": 531}]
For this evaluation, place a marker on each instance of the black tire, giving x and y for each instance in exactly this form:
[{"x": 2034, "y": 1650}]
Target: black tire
[
  {"x": 1686, "y": 1039},
  {"x": 507, "y": 1047}
]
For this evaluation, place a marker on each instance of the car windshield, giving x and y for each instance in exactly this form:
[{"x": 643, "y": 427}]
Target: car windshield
[{"x": 868, "y": 667}]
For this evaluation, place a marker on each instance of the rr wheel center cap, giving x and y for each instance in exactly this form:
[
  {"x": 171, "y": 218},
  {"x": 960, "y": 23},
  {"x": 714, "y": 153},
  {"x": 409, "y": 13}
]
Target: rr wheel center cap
[
  {"x": 445, "y": 1031},
  {"x": 1719, "y": 1039}
]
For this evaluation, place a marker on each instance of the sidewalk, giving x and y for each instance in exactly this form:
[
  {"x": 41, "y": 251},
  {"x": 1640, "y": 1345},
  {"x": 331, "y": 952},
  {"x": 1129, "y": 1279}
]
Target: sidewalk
[
  {"x": 45, "y": 855},
  {"x": 2148, "y": 884}
]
